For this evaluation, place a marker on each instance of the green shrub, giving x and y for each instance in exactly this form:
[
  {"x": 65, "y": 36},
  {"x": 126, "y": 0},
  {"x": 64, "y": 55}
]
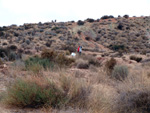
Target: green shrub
[
  {"x": 120, "y": 72},
  {"x": 36, "y": 64},
  {"x": 138, "y": 59},
  {"x": 110, "y": 64},
  {"x": 32, "y": 94}
]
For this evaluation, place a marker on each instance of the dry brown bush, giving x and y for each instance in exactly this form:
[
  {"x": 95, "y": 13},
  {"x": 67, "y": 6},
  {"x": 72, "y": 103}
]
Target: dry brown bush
[
  {"x": 82, "y": 64},
  {"x": 109, "y": 66},
  {"x": 50, "y": 54},
  {"x": 58, "y": 58}
]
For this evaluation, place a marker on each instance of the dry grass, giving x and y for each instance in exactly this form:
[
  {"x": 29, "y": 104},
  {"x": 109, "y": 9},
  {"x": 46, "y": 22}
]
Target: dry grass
[
  {"x": 134, "y": 94},
  {"x": 100, "y": 100},
  {"x": 96, "y": 92}
]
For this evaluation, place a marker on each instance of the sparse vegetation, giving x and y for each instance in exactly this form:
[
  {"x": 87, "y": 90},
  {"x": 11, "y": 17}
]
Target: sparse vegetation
[{"x": 97, "y": 81}]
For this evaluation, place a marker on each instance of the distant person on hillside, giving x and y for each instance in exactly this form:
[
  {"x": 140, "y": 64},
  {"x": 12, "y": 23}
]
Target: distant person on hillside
[{"x": 80, "y": 50}]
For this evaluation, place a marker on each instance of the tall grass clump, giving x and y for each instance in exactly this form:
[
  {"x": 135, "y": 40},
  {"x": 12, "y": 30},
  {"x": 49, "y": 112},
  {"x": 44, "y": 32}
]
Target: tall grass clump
[
  {"x": 101, "y": 99},
  {"x": 120, "y": 72},
  {"x": 33, "y": 93},
  {"x": 76, "y": 91}
]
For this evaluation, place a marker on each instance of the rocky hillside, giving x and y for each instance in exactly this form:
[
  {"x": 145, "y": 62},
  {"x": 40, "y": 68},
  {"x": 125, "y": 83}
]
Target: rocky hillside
[{"x": 123, "y": 34}]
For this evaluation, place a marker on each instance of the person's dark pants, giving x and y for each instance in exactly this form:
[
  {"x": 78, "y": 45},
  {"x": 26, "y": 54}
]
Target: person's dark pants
[{"x": 79, "y": 53}]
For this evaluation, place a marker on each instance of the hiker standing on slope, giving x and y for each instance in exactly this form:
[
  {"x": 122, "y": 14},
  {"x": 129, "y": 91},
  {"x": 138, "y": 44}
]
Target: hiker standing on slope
[{"x": 80, "y": 50}]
